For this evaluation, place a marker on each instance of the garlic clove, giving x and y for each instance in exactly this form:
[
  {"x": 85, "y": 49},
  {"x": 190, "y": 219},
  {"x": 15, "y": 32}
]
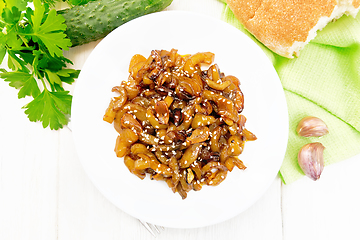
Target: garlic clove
[
  {"x": 311, "y": 160},
  {"x": 312, "y": 127}
]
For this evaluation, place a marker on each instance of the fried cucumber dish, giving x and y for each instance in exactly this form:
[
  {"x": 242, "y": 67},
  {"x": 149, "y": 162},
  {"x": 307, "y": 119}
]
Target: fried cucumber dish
[{"x": 177, "y": 122}]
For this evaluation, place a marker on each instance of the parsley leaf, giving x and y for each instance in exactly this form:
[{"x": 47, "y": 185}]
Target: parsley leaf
[
  {"x": 34, "y": 41},
  {"x": 11, "y": 16},
  {"x": 23, "y": 81},
  {"x": 51, "y": 108},
  {"x": 20, "y": 4},
  {"x": 68, "y": 75},
  {"x": 51, "y": 32},
  {"x": 2, "y": 52}
]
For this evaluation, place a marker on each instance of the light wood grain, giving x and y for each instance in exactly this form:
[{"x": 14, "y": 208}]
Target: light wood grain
[
  {"x": 46, "y": 195},
  {"x": 326, "y": 209},
  {"x": 28, "y": 173}
]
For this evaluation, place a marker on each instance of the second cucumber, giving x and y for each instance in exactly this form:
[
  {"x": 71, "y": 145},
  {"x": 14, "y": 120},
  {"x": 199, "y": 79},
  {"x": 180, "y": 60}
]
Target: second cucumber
[{"x": 96, "y": 19}]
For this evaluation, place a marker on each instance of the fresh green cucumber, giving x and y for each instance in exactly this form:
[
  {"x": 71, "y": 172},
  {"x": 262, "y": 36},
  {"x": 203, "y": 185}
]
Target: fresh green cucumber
[{"x": 96, "y": 19}]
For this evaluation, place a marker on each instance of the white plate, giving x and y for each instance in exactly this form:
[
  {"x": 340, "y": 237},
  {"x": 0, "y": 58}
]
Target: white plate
[{"x": 265, "y": 109}]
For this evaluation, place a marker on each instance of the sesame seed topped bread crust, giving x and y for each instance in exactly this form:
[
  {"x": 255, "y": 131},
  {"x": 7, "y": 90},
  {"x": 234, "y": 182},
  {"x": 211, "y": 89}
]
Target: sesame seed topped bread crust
[{"x": 286, "y": 26}]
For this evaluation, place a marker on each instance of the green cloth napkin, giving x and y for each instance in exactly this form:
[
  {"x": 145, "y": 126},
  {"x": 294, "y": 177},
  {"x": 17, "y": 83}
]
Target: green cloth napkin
[{"x": 324, "y": 81}]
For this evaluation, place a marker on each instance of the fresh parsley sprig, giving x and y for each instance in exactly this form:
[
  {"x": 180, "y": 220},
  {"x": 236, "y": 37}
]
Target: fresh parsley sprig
[{"x": 34, "y": 41}]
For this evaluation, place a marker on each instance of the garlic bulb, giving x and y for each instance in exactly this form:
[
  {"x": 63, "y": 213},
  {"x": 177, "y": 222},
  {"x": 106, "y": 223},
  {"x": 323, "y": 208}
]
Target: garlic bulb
[
  {"x": 312, "y": 127},
  {"x": 311, "y": 160}
]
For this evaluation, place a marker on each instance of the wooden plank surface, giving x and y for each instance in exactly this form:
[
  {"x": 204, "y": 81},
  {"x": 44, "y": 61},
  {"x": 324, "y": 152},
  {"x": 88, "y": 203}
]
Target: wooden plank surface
[
  {"x": 45, "y": 193},
  {"x": 326, "y": 209}
]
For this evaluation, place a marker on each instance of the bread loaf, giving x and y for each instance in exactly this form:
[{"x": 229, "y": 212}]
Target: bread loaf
[{"x": 286, "y": 26}]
